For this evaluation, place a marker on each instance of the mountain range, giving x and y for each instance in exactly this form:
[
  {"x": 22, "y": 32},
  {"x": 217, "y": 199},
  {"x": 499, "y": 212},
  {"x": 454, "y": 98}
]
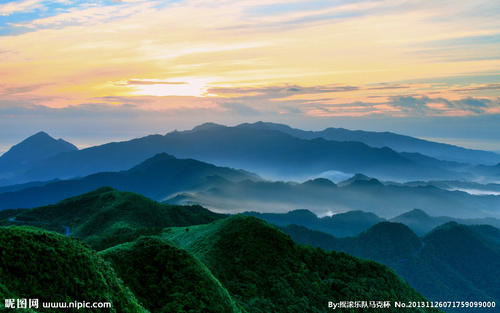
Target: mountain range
[
  {"x": 323, "y": 197},
  {"x": 397, "y": 142},
  {"x": 231, "y": 264},
  {"x": 451, "y": 262},
  {"x": 187, "y": 181},
  {"x": 269, "y": 150},
  {"x": 157, "y": 177},
  {"x": 352, "y": 223}
]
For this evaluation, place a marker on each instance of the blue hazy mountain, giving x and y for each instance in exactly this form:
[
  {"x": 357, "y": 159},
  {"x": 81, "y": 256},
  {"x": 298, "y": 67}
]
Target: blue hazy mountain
[
  {"x": 34, "y": 148},
  {"x": 340, "y": 225},
  {"x": 397, "y": 142},
  {"x": 452, "y": 262},
  {"x": 187, "y": 181},
  {"x": 157, "y": 178},
  {"x": 422, "y": 223},
  {"x": 352, "y": 223},
  {"x": 357, "y": 193},
  {"x": 260, "y": 150}
]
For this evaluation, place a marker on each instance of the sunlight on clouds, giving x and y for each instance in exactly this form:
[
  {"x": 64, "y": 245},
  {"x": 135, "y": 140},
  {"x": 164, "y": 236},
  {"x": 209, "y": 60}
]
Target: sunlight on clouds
[
  {"x": 153, "y": 50},
  {"x": 184, "y": 87}
]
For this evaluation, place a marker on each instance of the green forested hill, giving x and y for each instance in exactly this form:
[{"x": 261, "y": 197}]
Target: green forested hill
[
  {"x": 451, "y": 262},
  {"x": 207, "y": 262},
  {"x": 167, "y": 279},
  {"x": 106, "y": 217},
  {"x": 267, "y": 272},
  {"x": 51, "y": 267}
]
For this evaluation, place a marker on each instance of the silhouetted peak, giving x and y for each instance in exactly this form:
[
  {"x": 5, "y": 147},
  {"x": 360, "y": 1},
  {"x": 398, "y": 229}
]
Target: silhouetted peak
[
  {"x": 361, "y": 180},
  {"x": 320, "y": 182},
  {"x": 356, "y": 215},
  {"x": 41, "y": 135},
  {"x": 306, "y": 214},
  {"x": 414, "y": 214},
  {"x": 384, "y": 229},
  {"x": 36, "y": 147},
  {"x": 154, "y": 161},
  {"x": 207, "y": 126}
]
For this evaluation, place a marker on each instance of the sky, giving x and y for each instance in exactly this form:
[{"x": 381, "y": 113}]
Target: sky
[{"x": 105, "y": 70}]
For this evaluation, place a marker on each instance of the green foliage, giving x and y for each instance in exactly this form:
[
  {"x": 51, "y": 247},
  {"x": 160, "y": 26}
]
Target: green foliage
[
  {"x": 452, "y": 262},
  {"x": 267, "y": 272},
  {"x": 168, "y": 279},
  {"x": 38, "y": 264},
  {"x": 106, "y": 217}
]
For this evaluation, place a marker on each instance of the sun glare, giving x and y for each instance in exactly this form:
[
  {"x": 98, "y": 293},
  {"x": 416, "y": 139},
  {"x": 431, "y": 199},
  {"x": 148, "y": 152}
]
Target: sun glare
[{"x": 194, "y": 87}]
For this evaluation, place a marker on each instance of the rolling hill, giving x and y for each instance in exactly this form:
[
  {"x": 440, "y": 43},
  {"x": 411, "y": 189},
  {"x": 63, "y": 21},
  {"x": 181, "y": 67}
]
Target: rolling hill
[
  {"x": 106, "y": 217},
  {"x": 37, "y": 264},
  {"x": 233, "y": 264},
  {"x": 452, "y": 262},
  {"x": 167, "y": 279},
  {"x": 266, "y": 271}
]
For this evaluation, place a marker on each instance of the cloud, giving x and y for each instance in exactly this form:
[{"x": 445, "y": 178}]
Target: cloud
[
  {"x": 423, "y": 105},
  {"x": 19, "y": 6},
  {"x": 240, "y": 108},
  {"x": 152, "y": 82},
  {"x": 477, "y": 88},
  {"x": 280, "y": 91}
]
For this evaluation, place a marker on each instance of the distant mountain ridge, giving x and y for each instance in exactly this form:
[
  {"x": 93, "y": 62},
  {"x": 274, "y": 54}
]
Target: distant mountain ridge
[
  {"x": 340, "y": 225},
  {"x": 322, "y": 197},
  {"x": 257, "y": 149},
  {"x": 158, "y": 177},
  {"x": 188, "y": 181},
  {"x": 397, "y": 142},
  {"x": 352, "y": 223}
]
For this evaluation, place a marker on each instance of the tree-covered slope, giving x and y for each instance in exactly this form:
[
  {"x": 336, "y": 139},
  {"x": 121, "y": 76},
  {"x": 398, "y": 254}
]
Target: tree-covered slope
[
  {"x": 37, "y": 264},
  {"x": 452, "y": 262},
  {"x": 106, "y": 217},
  {"x": 267, "y": 272},
  {"x": 167, "y": 279}
]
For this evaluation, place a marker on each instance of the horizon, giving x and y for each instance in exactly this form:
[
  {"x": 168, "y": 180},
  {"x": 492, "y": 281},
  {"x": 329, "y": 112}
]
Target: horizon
[
  {"x": 120, "y": 69},
  {"x": 83, "y": 143}
]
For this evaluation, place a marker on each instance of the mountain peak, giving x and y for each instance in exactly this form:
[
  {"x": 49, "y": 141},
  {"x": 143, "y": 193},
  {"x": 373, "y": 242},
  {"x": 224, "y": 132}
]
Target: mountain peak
[
  {"x": 34, "y": 148},
  {"x": 40, "y": 134},
  {"x": 207, "y": 126},
  {"x": 360, "y": 180},
  {"x": 154, "y": 160},
  {"x": 319, "y": 182},
  {"x": 415, "y": 213}
]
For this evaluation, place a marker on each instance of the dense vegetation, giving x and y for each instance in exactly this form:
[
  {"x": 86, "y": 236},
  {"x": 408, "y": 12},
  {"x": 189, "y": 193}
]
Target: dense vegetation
[
  {"x": 267, "y": 272},
  {"x": 167, "y": 279},
  {"x": 452, "y": 262},
  {"x": 232, "y": 264},
  {"x": 106, "y": 217},
  {"x": 38, "y": 264}
]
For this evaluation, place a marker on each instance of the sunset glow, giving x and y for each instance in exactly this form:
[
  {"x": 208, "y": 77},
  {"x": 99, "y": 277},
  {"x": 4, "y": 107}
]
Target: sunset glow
[{"x": 272, "y": 58}]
